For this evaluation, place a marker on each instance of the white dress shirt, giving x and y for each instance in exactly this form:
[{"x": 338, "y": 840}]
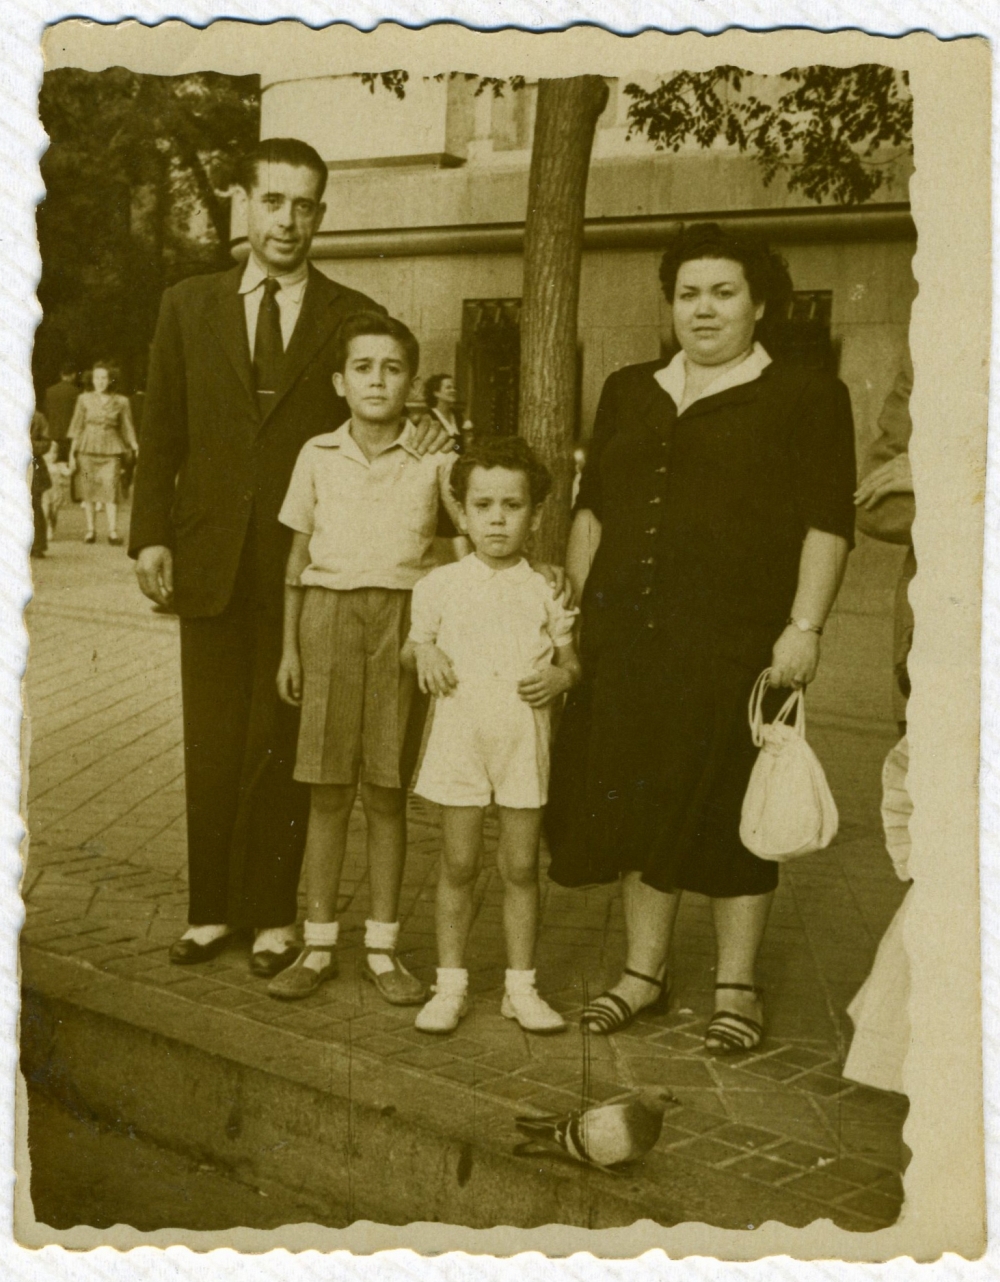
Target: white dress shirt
[{"x": 289, "y": 296}]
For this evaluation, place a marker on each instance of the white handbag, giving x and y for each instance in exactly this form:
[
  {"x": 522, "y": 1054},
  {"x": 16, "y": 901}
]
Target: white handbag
[{"x": 788, "y": 809}]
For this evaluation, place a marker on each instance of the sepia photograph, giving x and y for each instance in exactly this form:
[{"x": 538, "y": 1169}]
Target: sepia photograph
[{"x": 468, "y": 776}]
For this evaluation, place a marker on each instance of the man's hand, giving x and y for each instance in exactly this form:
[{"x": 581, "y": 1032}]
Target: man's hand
[
  {"x": 429, "y": 437},
  {"x": 154, "y": 569},
  {"x": 435, "y": 673},
  {"x": 290, "y": 679},
  {"x": 795, "y": 658},
  {"x": 540, "y": 688},
  {"x": 558, "y": 580},
  {"x": 893, "y": 477}
]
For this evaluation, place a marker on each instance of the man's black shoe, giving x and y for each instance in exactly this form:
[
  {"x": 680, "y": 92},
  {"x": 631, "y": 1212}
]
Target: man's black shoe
[{"x": 186, "y": 952}]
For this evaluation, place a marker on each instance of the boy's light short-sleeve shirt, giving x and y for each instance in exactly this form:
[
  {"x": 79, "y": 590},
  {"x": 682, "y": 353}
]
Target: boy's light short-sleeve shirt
[{"x": 371, "y": 522}]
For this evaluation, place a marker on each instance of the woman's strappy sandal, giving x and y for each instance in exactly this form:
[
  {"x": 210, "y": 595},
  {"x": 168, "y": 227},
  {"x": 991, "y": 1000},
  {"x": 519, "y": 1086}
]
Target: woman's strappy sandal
[
  {"x": 616, "y": 1013},
  {"x": 729, "y": 1033}
]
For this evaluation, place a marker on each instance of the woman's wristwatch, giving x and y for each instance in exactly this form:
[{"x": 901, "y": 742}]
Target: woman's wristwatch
[{"x": 804, "y": 625}]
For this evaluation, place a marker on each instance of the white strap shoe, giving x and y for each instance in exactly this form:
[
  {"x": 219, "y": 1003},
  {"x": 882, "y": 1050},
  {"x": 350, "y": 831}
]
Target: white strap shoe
[
  {"x": 443, "y": 1012},
  {"x": 532, "y": 1012}
]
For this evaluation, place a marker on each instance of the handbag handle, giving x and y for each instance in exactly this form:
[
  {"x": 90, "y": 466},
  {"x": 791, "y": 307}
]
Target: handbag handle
[{"x": 794, "y": 705}]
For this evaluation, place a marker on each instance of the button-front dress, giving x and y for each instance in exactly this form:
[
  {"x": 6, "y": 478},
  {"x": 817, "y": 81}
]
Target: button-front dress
[{"x": 703, "y": 515}]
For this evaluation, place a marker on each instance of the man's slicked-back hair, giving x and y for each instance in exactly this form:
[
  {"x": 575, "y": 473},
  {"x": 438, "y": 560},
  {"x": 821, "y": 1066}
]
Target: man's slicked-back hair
[
  {"x": 361, "y": 324},
  {"x": 510, "y": 452},
  {"x": 280, "y": 151}
]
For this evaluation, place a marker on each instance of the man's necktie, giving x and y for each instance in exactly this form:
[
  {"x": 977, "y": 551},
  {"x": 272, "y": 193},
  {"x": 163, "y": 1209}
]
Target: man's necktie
[{"x": 268, "y": 349}]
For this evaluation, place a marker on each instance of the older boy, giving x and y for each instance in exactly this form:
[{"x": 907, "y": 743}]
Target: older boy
[{"x": 363, "y": 505}]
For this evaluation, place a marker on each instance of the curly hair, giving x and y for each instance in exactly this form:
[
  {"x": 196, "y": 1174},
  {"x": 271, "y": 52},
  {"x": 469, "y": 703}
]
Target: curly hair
[
  {"x": 510, "y": 452},
  {"x": 766, "y": 272}
]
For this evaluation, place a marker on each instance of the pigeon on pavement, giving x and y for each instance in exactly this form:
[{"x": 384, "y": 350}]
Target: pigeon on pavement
[{"x": 605, "y": 1135}]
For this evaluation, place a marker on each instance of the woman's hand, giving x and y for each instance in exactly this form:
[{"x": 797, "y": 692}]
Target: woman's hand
[
  {"x": 290, "y": 679},
  {"x": 795, "y": 658},
  {"x": 893, "y": 477},
  {"x": 435, "y": 674},
  {"x": 558, "y": 580}
]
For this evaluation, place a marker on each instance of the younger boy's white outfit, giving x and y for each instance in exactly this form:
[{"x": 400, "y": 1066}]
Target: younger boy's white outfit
[{"x": 496, "y": 627}]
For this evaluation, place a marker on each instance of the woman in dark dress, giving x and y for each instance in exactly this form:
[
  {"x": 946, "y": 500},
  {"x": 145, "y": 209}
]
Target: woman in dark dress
[{"x": 709, "y": 540}]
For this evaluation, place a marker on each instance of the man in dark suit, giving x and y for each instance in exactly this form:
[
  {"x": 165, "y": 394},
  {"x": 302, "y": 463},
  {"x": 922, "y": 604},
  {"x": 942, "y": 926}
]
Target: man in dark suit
[
  {"x": 239, "y": 379},
  {"x": 60, "y": 402}
]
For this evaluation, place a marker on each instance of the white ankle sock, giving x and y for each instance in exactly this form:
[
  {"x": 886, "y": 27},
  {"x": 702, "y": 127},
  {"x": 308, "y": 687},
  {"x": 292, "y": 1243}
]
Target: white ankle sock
[
  {"x": 203, "y": 935},
  {"x": 451, "y": 979},
  {"x": 519, "y": 981},
  {"x": 380, "y": 934},
  {"x": 321, "y": 934},
  {"x": 321, "y": 938},
  {"x": 273, "y": 939}
]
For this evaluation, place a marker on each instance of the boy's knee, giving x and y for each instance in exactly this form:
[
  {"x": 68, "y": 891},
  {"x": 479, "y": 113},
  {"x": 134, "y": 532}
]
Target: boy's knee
[
  {"x": 333, "y": 798},
  {"x": 387, "y": 803},
  {"x": 459, "y": 872},
  {"x": 519, "y": 872}
]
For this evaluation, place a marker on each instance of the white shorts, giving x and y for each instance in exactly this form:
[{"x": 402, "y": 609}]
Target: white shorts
[{"x": 487, "y": 744}]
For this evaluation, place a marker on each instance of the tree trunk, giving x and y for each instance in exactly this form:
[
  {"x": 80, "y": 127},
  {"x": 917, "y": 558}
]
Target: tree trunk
[{"x": 565, "y": 122}]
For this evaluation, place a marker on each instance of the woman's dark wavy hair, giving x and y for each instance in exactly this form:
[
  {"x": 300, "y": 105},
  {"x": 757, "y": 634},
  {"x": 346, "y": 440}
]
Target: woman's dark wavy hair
[
  {"x": 431, "y": 386},
  {"x": 510, "y": 452},
  {"x": 766, "y": 271},
  {"x": 114, "y": 373}
]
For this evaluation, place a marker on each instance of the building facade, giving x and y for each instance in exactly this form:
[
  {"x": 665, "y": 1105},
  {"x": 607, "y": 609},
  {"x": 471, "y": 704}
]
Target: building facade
[{"x": 425, "y": 212}]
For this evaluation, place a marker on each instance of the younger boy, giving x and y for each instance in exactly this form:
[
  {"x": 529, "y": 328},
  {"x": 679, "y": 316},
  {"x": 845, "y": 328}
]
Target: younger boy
[
  {"x": 483, "y": 637},
  {"x": 364, "y": 506}
]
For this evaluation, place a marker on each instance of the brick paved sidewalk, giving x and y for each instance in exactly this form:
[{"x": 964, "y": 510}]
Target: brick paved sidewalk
[{"x": 105, "y": 888}]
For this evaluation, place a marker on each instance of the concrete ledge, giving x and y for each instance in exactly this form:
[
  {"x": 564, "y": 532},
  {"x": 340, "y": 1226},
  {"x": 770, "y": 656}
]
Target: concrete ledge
[{"x": 357, "y": 1137}]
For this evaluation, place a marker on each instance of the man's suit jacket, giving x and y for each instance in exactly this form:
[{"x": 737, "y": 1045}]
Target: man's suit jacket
[
  {"x": 60, "y": 401},
  {"x": 213, "y": 468}
]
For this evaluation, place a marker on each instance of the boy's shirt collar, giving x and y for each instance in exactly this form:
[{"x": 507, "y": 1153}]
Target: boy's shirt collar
[
  {"x": 480, "y": 570},
  {"x": 343, "y": 440}
]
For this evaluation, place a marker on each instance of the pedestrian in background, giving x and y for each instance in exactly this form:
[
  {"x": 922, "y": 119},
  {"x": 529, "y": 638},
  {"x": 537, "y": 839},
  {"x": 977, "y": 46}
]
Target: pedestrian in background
[
  {"x": 711, "y": 533},
  {"x": 442, "y": 401},
  {"x": 102, "y": 438},
  {"x": 40, "y": 482},
  {"x": 60, "y": 402}
]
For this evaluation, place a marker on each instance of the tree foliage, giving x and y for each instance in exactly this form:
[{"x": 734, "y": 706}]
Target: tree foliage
[
  {"x": 396, "y": 81},
  {"x": 136, "y": 177},
  {"x": 834, "y": 133}
]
